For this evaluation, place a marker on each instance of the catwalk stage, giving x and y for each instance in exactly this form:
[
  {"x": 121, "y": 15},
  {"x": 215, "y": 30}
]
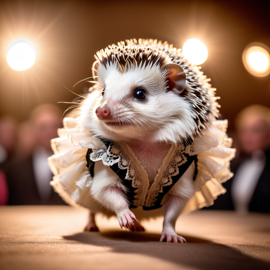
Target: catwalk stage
[{"x": 52, "y": 237}]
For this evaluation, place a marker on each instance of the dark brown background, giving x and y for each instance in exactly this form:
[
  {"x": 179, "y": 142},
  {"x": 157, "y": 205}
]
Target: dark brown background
[{"x": 68, "y": 33}]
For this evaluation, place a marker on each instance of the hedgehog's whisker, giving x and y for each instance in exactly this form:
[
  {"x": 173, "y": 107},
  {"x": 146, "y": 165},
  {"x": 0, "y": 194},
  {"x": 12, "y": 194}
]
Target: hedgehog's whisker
[
  {"x": 68, "y": 109},
  {"x": 95, "y": 82},
  {"x": 66, "y": 102},
  {"x": 74, "y": 93},
  {"x": 82, "y": 81}
]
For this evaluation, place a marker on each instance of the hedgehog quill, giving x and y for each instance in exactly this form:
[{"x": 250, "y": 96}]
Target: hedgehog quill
[{"x": 144, "y": 141}]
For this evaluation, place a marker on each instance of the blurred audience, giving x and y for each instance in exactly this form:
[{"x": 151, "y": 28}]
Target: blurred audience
[
  {"x": 29, "y": 176},
  {"x": 8, "y": 128},
  {"x": 249, "y": 189},
  {"x": 26, "y": 140},
  {"x": 3, "y": 189},
  {"x": 8, "y": 131}
]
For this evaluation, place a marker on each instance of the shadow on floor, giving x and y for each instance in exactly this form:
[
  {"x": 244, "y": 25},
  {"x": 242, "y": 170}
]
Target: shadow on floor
[{"x": 198, "y": 252}]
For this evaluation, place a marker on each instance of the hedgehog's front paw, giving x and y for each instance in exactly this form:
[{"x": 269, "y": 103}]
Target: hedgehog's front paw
[
  {"x": 169, "y": 235},
  {"x": 126, "y": 219},
  {"x": 137, "y": 227}
]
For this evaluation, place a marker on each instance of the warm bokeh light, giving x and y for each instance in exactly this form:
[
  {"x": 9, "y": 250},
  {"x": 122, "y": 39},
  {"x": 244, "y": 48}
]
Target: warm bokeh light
[
  {"x": 256, "y": 60},
  {"x": 21, "y": 55},
  {"x": 195, "y": 51}
]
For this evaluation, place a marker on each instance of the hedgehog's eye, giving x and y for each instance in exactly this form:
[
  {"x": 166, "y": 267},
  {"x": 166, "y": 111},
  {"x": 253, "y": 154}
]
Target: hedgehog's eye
[
  {"x": 103, "y": 91},
  {"x": 139, "y": 94}
]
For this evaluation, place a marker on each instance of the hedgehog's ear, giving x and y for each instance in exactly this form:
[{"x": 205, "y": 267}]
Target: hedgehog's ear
[
  {"x": 95, "y": 69},
  {"x": 176, "y": 77}
]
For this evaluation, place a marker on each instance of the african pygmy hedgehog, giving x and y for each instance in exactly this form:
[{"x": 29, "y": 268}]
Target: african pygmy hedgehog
[{"x": 144, "y": 141}]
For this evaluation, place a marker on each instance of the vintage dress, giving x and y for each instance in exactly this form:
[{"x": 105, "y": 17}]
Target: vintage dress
[{"x": 76, "y": 151}]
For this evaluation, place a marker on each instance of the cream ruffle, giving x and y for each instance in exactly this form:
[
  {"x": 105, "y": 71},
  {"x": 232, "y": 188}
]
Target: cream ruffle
[
  {"x": 214, "y": 154},
  {"x": 71, "y": 177},
  {"x": 73, "y": 181}
]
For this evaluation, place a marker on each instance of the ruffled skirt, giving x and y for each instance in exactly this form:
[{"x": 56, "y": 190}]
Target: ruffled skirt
[{"x": 72, "y": 179}]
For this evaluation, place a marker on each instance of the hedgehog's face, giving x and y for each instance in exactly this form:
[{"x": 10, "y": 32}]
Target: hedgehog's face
[
  {"x": 131, "y": 100},
  {"x": 140, "y": 103},
  {"x": 146, "y": 91}
]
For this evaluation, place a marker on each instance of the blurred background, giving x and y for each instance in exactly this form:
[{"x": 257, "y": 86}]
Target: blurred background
[{"x": 66, "y": 35}]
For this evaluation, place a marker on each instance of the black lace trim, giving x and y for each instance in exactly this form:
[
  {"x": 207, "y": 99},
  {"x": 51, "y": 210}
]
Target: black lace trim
[
  {"x": 196, "y": 168},
  {"x": 90, "y": 164}
]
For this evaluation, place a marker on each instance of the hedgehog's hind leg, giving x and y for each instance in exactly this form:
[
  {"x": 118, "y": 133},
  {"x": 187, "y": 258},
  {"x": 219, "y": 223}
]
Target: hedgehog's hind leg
[{"x": 91, "y": 225}]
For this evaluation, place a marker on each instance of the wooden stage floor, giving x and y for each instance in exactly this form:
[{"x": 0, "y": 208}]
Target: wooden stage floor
[{"x": 51, "y": 237}]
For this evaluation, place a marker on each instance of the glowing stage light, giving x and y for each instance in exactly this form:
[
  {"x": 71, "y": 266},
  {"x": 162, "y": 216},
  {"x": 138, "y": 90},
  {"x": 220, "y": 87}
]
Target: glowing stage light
[
  {"x": 21, "y": 55},
  {"x": 195, "y": 51},
  {"x": 256, "y": 59}
]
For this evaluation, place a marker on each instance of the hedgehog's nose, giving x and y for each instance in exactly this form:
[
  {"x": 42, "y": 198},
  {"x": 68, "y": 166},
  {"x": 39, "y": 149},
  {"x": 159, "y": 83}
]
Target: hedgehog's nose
[{"x": 103, "y": 112}]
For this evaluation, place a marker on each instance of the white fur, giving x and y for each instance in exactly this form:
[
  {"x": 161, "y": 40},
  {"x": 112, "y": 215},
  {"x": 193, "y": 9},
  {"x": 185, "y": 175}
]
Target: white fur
[
  {"x": 107, "y": 189},
  {"x": 163, "y": 116},
  {"x": 150, "y": 155},
  {"x": 185, "y": 187}
]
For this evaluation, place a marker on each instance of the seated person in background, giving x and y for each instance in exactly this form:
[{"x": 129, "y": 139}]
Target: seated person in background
[
  {"x": 26, "y": 140},
  {"x": 29, "y": 176},
  {"x": 3, "y": 189},
  {"x": 8, "y": 131},
  {"x": 3, "y": 184},
  {"x": 249, "y": 189},
  {"x": 8, "y": 128}
]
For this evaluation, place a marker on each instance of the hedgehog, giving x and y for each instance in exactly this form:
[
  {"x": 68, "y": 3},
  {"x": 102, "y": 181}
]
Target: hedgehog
[{"x": 143, "y": 141}]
